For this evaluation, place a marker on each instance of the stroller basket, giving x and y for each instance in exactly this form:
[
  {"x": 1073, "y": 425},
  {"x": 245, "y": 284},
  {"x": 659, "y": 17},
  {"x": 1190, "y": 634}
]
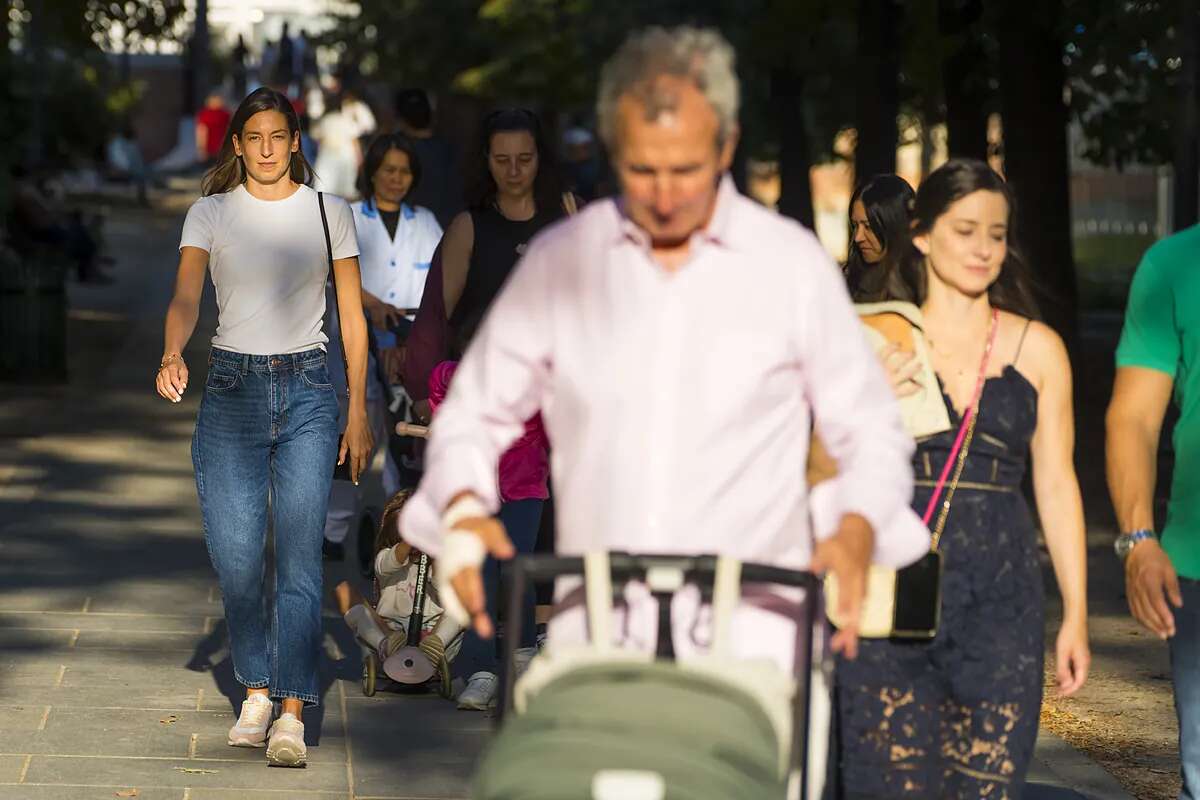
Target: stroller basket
[{"x": 596, "y": 722}]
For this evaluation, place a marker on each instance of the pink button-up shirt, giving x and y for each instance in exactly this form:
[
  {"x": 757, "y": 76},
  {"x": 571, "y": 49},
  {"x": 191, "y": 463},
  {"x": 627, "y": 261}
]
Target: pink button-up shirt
[{"x": 678, "y": 404}]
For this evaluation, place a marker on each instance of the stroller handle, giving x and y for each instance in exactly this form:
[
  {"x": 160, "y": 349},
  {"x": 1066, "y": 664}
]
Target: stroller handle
[
  {"x": 626, "y": 567},
  {"x": 409, "y": 429},
  {"x": 699, "y": 570}
]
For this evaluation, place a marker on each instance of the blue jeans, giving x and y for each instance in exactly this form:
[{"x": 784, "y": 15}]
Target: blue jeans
[
  {"x": 1185, "y": 673},
  {"x": 521, "y": 519},
  {"x": 266, "y": 439}
]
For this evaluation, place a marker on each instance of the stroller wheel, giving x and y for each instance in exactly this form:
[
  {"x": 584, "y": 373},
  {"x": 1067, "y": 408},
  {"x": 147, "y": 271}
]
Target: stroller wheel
[{"x": 369, "y": 673}]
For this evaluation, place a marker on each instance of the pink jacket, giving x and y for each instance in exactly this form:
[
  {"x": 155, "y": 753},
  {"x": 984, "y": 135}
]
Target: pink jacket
[{"x": 524, "y": 467}]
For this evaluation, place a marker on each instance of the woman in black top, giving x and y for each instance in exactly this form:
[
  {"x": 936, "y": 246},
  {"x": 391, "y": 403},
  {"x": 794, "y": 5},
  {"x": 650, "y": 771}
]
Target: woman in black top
[
  {"x": 880, "y": 210},
  {"x": 518, "y": 194}
]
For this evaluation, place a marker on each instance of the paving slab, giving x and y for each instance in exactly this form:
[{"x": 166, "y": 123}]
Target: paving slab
[
  {"x": 28, "y": 791},
  {"x": 1064, "y": 773},
  {"x": 263, "y": 794},
  {"x": 11, "y": 768},
  {"x": 154, "y": 772},
  {"x": 169, "y": 698},
  {"x": 126, "y": 623}
]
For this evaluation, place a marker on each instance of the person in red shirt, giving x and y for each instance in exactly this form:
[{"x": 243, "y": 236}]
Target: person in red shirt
[{"x": 212, "y": 122}]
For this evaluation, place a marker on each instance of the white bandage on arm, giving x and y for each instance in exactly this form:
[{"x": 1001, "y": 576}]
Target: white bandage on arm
[{"x": 460, "y": 550}]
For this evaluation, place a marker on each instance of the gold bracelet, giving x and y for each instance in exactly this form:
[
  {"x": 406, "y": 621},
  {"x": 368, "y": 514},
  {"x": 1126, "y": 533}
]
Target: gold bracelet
[{"x": 172, "y": 357}]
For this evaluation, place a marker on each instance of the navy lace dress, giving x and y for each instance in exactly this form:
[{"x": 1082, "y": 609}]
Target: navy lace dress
[{"x": 957, "y": 717}]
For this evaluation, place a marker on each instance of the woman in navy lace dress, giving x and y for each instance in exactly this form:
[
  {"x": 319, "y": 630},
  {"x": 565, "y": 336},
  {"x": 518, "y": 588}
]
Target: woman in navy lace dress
[{"x": 957, "y": 717}]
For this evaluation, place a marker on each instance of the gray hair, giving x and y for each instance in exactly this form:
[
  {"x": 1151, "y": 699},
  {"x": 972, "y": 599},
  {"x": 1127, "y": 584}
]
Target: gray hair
[{"x": 700, "y": 55}]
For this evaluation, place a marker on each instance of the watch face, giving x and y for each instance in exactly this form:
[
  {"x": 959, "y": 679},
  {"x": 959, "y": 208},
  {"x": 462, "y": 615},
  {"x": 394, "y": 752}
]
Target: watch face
[{"x": 1121, "y": 545}]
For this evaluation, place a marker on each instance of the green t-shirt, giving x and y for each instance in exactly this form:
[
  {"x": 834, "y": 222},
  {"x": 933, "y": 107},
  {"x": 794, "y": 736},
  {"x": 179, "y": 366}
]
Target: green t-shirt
[{"x": 1162, "y": 332}]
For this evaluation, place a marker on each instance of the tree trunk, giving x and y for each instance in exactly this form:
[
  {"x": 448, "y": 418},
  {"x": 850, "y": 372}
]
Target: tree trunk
[
  {"x": 787, "y": 97},
  {"x": 1036, "y": 158},
  {"x": 964, "y": 77},
  {"x": 7, "y": 134},
  {"x": 200, "y": 41},
  {"x": 1187, "y": 159},
  {"x": 877, "y": 91},
  {"x": 36, "y": 33}
]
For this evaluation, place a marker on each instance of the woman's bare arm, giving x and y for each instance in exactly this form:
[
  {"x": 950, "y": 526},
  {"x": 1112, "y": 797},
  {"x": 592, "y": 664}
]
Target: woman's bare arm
[
  {"x": 357, "y": 440},
  {"x": 182, "y": 314},
  {"x": 1056, "y": 490},
  {"x": 456, "y": 259}
]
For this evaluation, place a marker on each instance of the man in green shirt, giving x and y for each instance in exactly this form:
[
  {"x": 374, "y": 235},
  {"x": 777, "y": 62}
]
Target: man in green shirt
[{"x": 1158, "y": 357}]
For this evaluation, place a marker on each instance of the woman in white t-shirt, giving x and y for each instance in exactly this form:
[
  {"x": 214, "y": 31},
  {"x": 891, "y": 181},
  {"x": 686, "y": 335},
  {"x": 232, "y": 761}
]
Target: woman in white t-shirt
[{"x": 268, "y": 420}]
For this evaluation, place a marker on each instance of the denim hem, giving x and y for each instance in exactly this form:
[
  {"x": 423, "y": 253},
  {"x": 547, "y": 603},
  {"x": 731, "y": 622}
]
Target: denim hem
[
  {"x": 250, "y": 684},
  {"x": 309, "y": 700}
]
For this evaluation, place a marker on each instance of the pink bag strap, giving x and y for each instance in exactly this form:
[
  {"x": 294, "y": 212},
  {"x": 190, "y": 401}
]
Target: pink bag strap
[{"x": 971, "y": 411}]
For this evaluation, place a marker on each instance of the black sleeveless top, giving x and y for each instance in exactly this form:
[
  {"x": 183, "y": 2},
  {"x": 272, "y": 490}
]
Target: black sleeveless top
[{"x": 499, "y": 243}]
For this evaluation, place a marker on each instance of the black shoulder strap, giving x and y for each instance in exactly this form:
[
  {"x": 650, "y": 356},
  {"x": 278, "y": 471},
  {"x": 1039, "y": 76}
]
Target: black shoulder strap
[
  {"x": 328, "y": 241},
  {"x": 1021, "y": 343}
]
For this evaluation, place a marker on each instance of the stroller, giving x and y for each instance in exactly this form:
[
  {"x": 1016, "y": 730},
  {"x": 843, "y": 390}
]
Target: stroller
[
  {"x": 418, "y": 664},
  {"x": 594, "y": 722}
]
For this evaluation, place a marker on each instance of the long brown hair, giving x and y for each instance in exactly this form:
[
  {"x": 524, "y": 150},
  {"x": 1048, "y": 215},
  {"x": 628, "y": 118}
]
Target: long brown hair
[
  {"x": 547, "y": 187},
  {"x": 388, "y": 534},
  {"x": 1013, "y": 289},
  {"x": 229, "y": 171},
  {"x": 887, "y": 199}
]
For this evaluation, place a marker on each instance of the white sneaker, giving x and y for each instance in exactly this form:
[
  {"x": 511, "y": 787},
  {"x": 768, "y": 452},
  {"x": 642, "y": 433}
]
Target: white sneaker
[
  {"x": 480, "y": 692},
  {"x": 251, "y": 728},
  {"x": 286, "y": 748}
]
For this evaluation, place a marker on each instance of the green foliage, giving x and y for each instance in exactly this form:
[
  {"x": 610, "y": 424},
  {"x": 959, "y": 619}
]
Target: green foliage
[
  {"x": 131, "y": 23},
  {"x": 548, "y": 53},
  {"x": 1123, "y": 61},
  {"x": 75, "y": 114}
]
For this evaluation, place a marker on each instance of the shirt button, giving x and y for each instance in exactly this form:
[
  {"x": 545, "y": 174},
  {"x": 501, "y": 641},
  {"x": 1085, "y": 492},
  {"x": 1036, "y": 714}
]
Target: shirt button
[
  {"x": 393, "y": 262},
  {"x": 391, "y": 294}
]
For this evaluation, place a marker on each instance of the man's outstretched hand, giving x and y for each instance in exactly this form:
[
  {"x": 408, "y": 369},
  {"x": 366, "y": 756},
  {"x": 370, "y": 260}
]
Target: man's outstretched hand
[
  {"x": 481, "y": 536},
  {"x": 847, "y": 554}
]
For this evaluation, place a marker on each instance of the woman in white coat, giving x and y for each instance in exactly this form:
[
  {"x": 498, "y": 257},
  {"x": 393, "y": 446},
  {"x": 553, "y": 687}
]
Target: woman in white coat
[{"x": 396, "y": 243}]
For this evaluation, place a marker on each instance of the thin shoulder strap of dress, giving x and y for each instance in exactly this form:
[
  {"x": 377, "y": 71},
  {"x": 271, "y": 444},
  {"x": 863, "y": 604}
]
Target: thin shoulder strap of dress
[{"x": 1021, "y": 343}]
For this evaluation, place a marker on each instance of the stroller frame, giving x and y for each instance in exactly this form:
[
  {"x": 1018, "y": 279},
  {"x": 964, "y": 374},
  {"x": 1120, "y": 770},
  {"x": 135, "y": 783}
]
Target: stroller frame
[{"x": 664, "y": 574}]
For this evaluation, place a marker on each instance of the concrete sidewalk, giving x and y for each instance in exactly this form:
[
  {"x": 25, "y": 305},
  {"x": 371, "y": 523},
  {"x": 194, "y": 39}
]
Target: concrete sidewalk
[{"x": 114, "y": 670}]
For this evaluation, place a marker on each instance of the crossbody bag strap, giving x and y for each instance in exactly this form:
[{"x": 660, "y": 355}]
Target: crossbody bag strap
[
  {"x": 333, "y": 279},
  {"x": 962, "y": 460},
  {"x": 966, "y": 431}
]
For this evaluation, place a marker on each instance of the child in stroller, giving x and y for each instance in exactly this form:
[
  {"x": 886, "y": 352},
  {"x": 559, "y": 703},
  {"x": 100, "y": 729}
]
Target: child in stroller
[{"x": 405, "y": 602}]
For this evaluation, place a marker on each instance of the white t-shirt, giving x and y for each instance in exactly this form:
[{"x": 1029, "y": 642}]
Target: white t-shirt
[
  {"x": 337, "y": 131},
  {"x": 269, "y": 266}
]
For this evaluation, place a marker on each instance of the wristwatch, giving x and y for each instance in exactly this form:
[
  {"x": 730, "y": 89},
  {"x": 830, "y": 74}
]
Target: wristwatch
[{"x": 1126, "y": 541}]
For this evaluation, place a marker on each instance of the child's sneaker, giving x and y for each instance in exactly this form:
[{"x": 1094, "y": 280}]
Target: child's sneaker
[
  {"x": 480, "y": 693},
  {"x": 286, "y": 748},
  {"x": 435, "y": 650},
  {"x": 250, "y": 730}
]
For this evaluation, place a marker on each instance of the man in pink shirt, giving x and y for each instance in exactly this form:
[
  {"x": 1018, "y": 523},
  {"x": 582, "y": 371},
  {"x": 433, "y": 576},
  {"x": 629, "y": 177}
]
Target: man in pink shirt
[{"x": 680, "y": 341}]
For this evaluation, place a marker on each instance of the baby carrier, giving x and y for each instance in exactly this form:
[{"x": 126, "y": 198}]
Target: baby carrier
[{"x": 594, "y": 722}]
